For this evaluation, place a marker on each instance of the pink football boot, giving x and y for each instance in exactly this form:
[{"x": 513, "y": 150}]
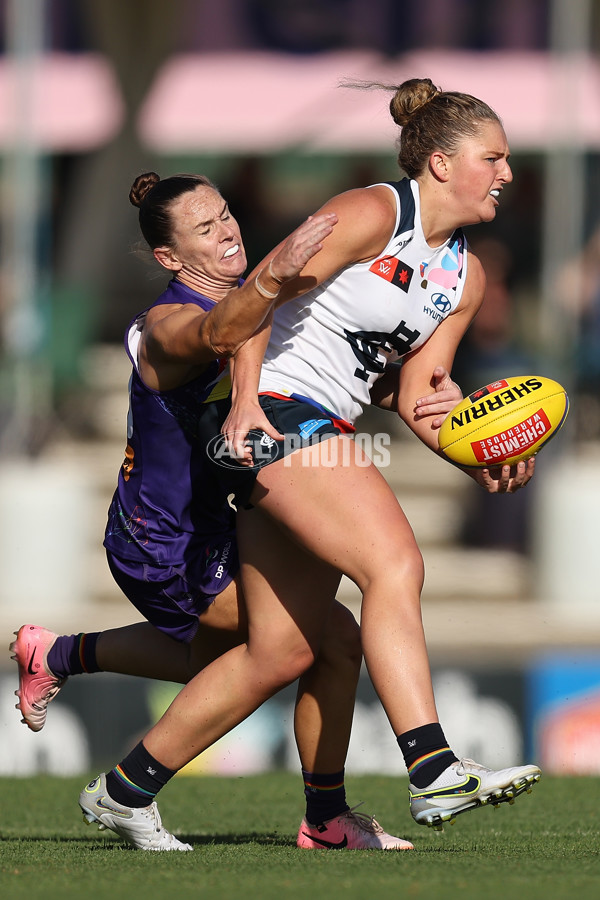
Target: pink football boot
[
  {"x": 350, "y": 831},
  {"x": 38, "y": 685}
]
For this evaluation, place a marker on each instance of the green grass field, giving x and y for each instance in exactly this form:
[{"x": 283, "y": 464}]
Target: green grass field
[{"x": 546, "y": 846}]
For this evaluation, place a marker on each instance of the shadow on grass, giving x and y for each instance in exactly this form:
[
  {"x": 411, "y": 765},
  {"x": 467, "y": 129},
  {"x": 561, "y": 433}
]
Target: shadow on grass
[
  {"x": 110, "y": 842},
  {"x": 251, "y": 837},
  {"x": 113, "y": 841}
]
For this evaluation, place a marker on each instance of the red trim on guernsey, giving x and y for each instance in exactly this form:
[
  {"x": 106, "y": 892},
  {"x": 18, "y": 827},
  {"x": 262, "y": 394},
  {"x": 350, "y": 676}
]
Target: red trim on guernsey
[
  {"x": 345, "y": 427},
  {"x": 81, "y": 652}
]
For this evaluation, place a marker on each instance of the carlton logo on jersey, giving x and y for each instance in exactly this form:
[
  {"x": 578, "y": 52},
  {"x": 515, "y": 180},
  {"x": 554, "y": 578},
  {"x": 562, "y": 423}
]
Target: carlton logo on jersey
[
  {"x": 366, "y": 344},
  {"x": 394, "y": 271}
]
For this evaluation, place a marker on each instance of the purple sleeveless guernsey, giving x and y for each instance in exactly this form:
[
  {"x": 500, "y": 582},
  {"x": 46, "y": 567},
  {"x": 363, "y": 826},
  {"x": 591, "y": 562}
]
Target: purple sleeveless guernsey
[{"x": 166, "y": 502}]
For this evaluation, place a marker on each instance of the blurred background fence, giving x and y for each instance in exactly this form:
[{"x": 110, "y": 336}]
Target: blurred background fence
[{"x": 93, "y": 92}]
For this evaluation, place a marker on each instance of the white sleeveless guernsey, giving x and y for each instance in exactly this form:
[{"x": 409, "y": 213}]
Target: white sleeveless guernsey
[{"x": 332, "y": 343}]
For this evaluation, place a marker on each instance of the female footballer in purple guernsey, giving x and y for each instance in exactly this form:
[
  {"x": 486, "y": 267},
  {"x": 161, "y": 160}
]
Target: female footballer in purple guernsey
[{"x": 170, "y": 536}]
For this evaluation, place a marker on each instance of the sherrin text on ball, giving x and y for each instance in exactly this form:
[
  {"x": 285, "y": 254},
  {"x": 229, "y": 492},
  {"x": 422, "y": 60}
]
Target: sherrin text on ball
[{"x": 504, "y": 422}]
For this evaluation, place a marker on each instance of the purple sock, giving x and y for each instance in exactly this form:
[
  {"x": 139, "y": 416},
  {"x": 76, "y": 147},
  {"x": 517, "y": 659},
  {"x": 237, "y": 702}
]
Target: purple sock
[{"x": 74, "y": 654}]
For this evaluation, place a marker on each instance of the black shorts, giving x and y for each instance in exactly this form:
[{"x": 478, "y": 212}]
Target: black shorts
[{"x": 302, "y": 424}]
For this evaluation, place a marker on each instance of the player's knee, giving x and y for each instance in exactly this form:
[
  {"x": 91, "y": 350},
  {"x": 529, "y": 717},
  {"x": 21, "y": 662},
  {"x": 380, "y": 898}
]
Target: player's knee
[
  {"x": 290, "y": 663},
  {"x": 399, "y": 574},
  {"x": 405, "y": 573},
  {"x": 389, "y": 564},
  {"x": 413, "y": 568}
]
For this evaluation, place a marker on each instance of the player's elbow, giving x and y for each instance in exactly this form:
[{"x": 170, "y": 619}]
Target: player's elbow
[
  {"x": 223, "y": 349},
  {"x": 223, "y": 344}
]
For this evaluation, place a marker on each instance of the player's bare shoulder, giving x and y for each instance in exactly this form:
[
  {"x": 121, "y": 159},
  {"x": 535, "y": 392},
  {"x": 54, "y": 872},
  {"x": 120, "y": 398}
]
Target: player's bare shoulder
[
  {"x": 366, "y": 220},
  {"x": 168, "y": 334}
]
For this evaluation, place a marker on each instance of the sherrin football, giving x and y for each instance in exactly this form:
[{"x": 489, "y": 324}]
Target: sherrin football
[{"x": 504, "y": 422}]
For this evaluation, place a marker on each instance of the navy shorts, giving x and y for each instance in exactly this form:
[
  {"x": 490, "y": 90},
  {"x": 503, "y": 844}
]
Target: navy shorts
[
  {"x": 173, "y": 597},
  {"x": 303, "y": 424}
]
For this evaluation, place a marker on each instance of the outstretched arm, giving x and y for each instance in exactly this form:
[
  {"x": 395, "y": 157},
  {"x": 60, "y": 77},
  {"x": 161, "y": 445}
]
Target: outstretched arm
[
  {"x": 231, "y": 323},
  {"x": 178, "y": 341}
]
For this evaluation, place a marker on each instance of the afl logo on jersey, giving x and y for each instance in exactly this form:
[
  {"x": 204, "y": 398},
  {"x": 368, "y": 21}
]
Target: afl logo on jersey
[
  {"x": 394, "y": 271},
  {"x": 441, "y": 302}
]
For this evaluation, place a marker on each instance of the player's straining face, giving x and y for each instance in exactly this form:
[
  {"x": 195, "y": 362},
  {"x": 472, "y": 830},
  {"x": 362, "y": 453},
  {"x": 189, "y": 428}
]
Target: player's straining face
[
  {"x": 480, "y": 170},
  {"x": 207, "y": 237}
]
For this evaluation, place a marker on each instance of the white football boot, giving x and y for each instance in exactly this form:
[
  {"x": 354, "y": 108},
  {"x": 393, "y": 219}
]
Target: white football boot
[
  {"x": 141, "y": 827},
  {"x": 466, "y": 785}
]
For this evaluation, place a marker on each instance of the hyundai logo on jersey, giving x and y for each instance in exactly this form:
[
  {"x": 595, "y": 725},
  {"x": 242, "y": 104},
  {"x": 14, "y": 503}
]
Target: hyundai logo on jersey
[{"x": 441, "y": 302}]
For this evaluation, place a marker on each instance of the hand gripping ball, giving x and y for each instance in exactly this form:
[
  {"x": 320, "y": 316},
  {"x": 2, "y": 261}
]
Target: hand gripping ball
[{"x": 504, "y": 422}]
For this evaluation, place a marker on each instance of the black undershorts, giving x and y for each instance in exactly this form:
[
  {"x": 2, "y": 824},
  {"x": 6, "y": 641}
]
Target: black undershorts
[{"x": 302, "y": 424}]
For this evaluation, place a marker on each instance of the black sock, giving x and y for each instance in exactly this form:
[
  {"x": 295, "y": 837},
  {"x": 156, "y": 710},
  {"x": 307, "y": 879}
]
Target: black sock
[
  {"x": 73, "y": 654},
  {"x": 426, "y": 753},
  {"x": 137, "y": 779},
  {"x": 325, "y": 796}
]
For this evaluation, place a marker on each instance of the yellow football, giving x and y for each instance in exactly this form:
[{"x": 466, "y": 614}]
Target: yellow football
[{"x": 504, "y": 422}]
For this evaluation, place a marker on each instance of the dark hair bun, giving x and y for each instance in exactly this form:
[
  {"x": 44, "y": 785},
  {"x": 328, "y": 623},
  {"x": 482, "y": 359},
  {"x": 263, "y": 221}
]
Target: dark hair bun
[{"x": 142, "y": 186}]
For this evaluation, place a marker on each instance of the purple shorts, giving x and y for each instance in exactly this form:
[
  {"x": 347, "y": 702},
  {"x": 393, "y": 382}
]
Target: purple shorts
[{"x": 172, "y": 597}]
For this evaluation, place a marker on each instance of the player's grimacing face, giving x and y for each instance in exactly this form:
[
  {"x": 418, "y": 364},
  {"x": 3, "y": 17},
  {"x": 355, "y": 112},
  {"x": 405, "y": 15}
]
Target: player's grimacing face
[
  {"x": 207, "y": 237},
  {"x": 480, "y": 170}
]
